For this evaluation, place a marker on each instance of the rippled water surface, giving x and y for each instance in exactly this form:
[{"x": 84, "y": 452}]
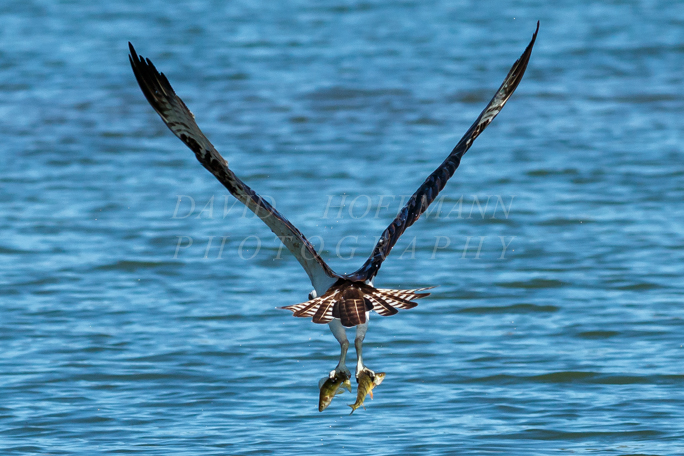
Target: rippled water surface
[{"x": 117, "y": 336}]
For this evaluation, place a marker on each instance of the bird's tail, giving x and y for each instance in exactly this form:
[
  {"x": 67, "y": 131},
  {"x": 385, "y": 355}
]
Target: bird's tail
[
  {"x": 386, "y": 301},
  {"x": 352, "y": 310},
  {"x": 321, "y": 309}
]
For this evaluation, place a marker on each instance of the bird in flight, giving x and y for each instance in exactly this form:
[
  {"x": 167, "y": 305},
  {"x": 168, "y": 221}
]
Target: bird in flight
[{"x": 340, "y": 300}]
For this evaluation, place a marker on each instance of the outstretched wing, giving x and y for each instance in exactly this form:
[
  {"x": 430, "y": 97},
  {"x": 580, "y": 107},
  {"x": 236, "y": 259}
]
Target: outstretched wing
[
  {"x": 182, "y": 123},
  {"x": 429, "y": 190}
]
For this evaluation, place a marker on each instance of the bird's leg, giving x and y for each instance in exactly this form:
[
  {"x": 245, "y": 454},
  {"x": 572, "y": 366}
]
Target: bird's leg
[
  {"x": 358, "y": 343},
  {"x": 341, "y": 336}
]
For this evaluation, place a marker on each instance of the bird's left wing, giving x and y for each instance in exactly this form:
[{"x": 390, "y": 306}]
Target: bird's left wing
[
  {"x": 182, "y": 123},
  {"x": 436, "y": 181}
]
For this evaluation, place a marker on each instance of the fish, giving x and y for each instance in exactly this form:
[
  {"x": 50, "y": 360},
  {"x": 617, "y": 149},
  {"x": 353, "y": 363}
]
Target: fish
[
  {"x": 367, "y": 382},
  {"x": 331, "y": 387}
]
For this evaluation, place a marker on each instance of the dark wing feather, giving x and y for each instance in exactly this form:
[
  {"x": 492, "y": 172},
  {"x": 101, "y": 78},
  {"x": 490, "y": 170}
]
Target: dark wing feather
[
  {"x": 182, "y": 123},
  {"x": 429, "y": 190}
]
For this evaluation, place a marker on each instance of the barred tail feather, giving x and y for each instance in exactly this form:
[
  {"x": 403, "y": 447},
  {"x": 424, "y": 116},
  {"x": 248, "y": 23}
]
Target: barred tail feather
[
  {"x": 324, "y": 312},
  {"x": 382, "y": 307},
  {"x": 351, "y": 312},
  {"x": 319, "y": 308},
  {"x": 351, "y": 305},
  {"x": 387, "y": 301},
  {"x": 299, "y": 309}
]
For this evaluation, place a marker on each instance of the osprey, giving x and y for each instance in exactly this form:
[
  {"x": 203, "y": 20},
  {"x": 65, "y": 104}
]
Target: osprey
[{"x": 341, "y": 300}]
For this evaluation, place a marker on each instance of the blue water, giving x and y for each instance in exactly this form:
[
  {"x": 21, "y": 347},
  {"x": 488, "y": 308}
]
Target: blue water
[{"x": 117, "y": 339}]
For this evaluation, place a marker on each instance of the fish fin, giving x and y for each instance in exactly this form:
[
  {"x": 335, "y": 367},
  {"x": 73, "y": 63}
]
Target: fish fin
[
  {"x": 347, "y": 385},
  {"x": 321, "y": 382},
  {"x": 340, "y": 390},
  {"x": 371, "y": 394}
]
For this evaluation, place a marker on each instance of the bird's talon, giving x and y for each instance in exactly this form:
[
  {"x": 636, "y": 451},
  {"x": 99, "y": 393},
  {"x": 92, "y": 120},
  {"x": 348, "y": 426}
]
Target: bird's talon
[
  {"x": 340, "y": 372},
  {"x": 370, "y": 373}
]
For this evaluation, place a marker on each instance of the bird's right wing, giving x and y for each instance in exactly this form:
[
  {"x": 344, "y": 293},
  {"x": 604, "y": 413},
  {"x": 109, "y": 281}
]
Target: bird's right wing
[
  {"x": 182, "y": 123},
  {"x": 436, "y": 181}
]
